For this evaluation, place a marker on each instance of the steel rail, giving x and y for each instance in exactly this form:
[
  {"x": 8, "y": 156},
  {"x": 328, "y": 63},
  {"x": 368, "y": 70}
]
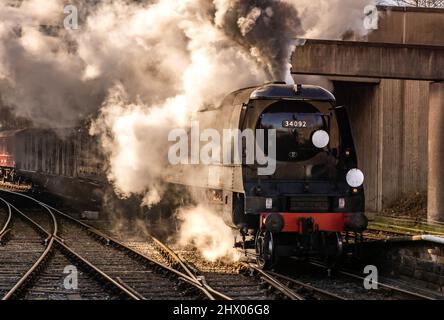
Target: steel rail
[
  {"x": 188, "y": 277},
  {"x": 49, "y": 247},
  {"x": 167, "y": 250},
  {"x": 382, "y": 285},
  {"x": 129, "y": 288},
  {"x": 271, "y": 280},
  {"x": 211, "y": 290},
  {"x": 6, "y": 227},
  {"x": 308, "y": 286}
]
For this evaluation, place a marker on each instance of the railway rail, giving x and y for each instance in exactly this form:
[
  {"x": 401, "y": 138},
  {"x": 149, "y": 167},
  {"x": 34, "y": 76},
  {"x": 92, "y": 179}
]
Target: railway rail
[{"x": 4, "y": 232}]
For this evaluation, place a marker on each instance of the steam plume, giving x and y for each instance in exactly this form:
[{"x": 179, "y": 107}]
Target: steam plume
[{"x": 204, "y": 229}]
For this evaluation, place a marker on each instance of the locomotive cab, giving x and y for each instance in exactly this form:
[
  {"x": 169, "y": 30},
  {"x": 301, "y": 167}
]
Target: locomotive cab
[{"x": 316, "y": 192}]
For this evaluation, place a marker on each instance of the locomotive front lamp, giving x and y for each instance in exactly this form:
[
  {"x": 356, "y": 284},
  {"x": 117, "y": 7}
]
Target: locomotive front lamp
[
  {"x": 320, "y": 139},
  {"x": 355, "y": 178}
]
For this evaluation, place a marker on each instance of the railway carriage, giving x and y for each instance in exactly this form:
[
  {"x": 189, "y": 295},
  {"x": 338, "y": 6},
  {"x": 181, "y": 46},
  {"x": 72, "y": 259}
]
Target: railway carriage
[{"x": 66, "y": 162}]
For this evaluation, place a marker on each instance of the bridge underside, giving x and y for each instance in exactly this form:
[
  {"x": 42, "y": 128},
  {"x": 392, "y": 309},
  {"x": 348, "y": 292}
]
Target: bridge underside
[{"x": 397, "y": 113}]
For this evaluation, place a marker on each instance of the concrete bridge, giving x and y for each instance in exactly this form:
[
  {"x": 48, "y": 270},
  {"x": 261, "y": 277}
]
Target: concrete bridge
[{"x": 392, "y": 82}]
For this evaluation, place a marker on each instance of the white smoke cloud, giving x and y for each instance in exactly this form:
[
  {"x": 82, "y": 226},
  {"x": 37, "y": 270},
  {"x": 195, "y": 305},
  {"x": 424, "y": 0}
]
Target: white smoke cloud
[
  {"x": 331, "y": 19},
  {"x": 57, "y": 77},
  {"x": 38, "y": 75},
  {"x": 141, "y": 68},
  {"x": 206, "y": 231}
]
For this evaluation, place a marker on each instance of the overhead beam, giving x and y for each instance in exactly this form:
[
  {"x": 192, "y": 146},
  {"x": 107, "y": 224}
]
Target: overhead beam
[{"x": 371, "y": 60}]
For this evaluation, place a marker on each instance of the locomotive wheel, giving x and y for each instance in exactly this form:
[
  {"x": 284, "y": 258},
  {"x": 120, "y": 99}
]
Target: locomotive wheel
[{"x": 265, "y": 249}]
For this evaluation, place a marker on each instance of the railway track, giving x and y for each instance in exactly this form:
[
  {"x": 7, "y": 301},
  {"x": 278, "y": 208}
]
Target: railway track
[
  {"x": 326, "y": 284},
  {"x": 33, "y": 264},
  {"x": 224, "y": 284},
  {"x": 152, "y": 270},
  {"x": 247, "y": 281},
  {"x": 118, "y": 268},
  {"x": 228, "y": 278},
  {"x": 341, "y": 284},
  {"x": 389, "y": 291},
  {"x": 224, "y": 281},
  {"x": 18, "y": 255}
]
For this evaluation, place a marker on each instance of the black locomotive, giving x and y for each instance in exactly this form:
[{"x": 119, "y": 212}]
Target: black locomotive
[{"x": 315, "y": 192}]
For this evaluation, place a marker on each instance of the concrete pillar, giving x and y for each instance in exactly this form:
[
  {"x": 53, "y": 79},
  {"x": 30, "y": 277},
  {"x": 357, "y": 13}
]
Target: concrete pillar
[{"x": 435, "y": 176}]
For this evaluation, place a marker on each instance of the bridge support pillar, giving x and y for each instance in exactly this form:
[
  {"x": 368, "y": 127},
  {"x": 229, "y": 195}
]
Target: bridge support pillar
[{"x": 435, "y": 176}]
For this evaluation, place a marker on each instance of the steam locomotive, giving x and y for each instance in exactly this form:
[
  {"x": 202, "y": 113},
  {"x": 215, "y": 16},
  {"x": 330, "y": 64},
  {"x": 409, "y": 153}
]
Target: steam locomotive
[
  {"x": 315, "y": 193},
  {"x": 302, "y": 208}
]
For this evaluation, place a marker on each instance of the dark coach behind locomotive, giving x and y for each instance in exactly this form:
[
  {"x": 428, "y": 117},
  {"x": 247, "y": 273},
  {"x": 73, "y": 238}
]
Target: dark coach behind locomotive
[
  {"x": 7, "y": 160},
  {"x": 316, "y": 191},
  {"x": 65, "y": 162}
]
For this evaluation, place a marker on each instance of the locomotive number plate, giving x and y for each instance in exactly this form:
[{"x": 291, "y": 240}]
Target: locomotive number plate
[{"x": 294, "y": 124}]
